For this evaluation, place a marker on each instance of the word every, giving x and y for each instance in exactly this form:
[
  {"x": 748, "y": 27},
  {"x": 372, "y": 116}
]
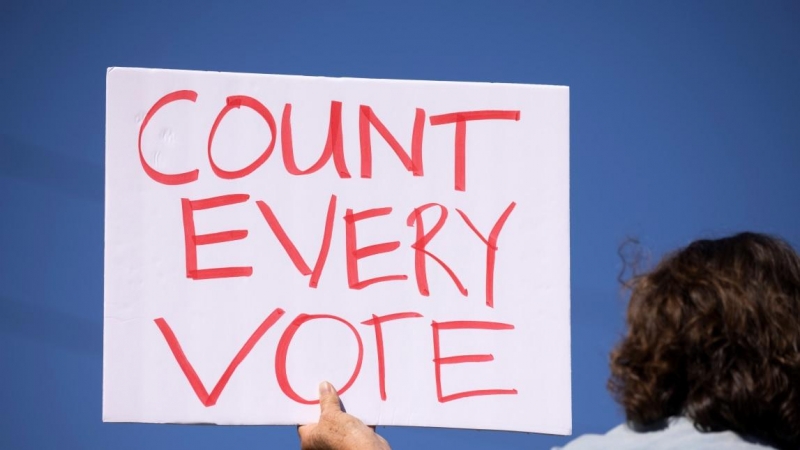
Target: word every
[
  {"x": 353, "y": 252},
  {"x": 334, "y": 144},
  {"x": 281, "y": 352}
]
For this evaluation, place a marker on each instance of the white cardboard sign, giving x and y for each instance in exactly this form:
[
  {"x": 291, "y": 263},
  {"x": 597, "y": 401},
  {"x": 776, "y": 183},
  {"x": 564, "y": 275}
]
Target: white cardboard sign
[{"x": 407, "y": 241}]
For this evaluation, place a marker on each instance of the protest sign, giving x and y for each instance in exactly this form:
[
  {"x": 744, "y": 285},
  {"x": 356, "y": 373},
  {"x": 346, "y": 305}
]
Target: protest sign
[{"x": 407, "y": 241}]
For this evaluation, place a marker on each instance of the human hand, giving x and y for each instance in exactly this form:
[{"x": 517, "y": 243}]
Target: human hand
[{"x": 337, "y": 430}]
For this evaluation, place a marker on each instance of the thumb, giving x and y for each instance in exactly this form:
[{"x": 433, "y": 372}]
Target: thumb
[{"x": 328, "y": 398}]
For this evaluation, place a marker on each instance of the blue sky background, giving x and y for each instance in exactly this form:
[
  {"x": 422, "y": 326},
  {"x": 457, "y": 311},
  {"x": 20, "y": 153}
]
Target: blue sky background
[{"x": 685, "y": 123}]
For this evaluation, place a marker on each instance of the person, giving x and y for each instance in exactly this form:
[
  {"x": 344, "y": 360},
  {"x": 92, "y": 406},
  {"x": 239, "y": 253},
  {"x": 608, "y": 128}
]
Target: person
[{"x": 711, "y": 358}]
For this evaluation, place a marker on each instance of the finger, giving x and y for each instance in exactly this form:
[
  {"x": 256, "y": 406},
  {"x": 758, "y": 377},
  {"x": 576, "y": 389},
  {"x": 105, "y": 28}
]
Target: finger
[
  {"x": 305, "y": 431},
  {"x": 328, "y": 398},
  {"x": 382, "y": 440}
]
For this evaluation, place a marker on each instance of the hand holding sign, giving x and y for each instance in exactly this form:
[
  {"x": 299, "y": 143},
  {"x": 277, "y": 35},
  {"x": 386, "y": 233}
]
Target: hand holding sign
[
  {"x": 337, "y": 430},
  {"x": 407, "y": 240}
]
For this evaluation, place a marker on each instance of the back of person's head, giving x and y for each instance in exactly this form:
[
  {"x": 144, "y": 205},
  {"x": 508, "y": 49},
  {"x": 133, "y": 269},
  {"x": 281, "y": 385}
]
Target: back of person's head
[{"x": 714, "y": 335}]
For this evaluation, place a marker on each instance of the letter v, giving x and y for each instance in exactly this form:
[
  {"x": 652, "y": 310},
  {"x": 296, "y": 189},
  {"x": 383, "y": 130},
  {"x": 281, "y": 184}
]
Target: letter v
[
  {"x": 206, "y": 398},
  {"x": 291, "y": 250}
]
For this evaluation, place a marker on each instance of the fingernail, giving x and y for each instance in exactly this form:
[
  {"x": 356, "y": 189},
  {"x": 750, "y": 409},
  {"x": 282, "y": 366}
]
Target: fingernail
[{"x": 325, "y": 388}]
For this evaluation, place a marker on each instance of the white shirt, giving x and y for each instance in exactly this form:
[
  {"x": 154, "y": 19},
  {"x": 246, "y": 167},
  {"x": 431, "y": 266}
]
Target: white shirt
[{"x": 679, "y": 434}]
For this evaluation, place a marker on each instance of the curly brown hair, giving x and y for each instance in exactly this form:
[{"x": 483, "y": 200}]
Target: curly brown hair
[{"x": 714, "y": 335}]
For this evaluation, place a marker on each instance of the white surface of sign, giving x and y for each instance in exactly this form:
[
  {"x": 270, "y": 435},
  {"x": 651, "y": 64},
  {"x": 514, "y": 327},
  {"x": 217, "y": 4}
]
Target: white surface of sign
[{"x": 407, "y": 241}]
